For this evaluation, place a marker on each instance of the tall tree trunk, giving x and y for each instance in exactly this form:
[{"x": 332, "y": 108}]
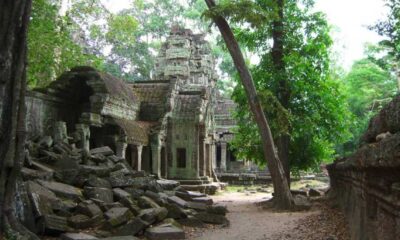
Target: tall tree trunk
[
  {"x": 14, "y": 19},
  {"x": 283, "y": 92},
  {"x": 283, "y": 198}
]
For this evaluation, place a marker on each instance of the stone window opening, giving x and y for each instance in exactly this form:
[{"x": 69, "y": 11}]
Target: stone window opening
[{"x": 181, "y": 157}]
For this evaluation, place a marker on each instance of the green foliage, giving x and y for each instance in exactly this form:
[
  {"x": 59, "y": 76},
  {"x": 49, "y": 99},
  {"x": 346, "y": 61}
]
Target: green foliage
[
  {"x": 317, "y": 110},
  {"x": 368, "y": 87},
  {"x": 51, "y": 47}
]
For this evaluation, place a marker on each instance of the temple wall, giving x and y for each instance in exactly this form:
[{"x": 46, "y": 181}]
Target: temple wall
[
  {"x": 366, "y": 185},
  {"x": 43, "y": 110}
]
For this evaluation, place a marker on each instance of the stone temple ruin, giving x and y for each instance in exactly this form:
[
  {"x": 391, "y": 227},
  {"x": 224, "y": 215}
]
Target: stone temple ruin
[
  {"x": 100, "y": 149},
  {"x": 366, "y": 185},
  {"x": 175, "y": 126}
]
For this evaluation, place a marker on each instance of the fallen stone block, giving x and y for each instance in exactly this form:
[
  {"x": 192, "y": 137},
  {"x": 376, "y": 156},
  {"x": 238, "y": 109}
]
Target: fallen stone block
[
  {"x": 168, "y": 184},
  {"x": 189, "y": 195},
  {"x": 98, "y": 171},
  {"x": 165, "y": 231},
  {"x": 80, "y": 221},
  {"x": 89, "y": 208},
  {"x": 178, "y": 201},
  {"x": 205, "y": 200},
  {"x": 107, "y": 206},
  {"x": 131, "y": 204},
  {"x": 40, "y": 205},
  {"x": 55, "y": 224},
  {"x": 77, "y": 236},
  {"x": 152, "y": 215},
  {"x": 121, "y": 180},
  {"x": 191, "y": 221},
  {"x": 146, "y": 202},
  {"x": 197, "y": 206},
  {"x": 175, "y": 212},
  {"x": 135, "y": 193},
  {"x": 217, "y": 209},
  {"x": 118, "y": 216},
  {"x": 212, "y": 218},
  {"x": 104, "y": 194},
  {"x": 95, "y": 181},
  {"x": 42, "y": 167},
  {"x": 119, "y": 193},
  {"x": 63, "y": 190},
  {"x": 32, "y": 174},
  {"x": 133, "y": 227},
  {"x": 106, "y": 151}
]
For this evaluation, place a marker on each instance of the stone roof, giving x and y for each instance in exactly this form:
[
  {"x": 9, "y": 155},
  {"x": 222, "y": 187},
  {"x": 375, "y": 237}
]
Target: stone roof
[
  {"x": 101, "y": 83},
  {"x": 137, "y": 132},
  {"x": 153, "y": 96}
]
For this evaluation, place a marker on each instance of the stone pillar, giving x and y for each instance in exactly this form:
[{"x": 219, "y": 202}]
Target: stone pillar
[
  {"x": 202, "y": 158},
  {"x": 139, "y": 149},
  {"x": 156, "y": 161},
  {"x": 223, "y": 156},
  {"x": 84, "y": 135},
  {"x": 213, "y": 156},
  {"x": 121, "y": 145},
  {"x": 60, "y": 132}
]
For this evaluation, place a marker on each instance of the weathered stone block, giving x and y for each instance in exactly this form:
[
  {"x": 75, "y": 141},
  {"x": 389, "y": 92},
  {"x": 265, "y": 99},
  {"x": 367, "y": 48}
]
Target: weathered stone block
[
  {"x": 133, "y": 227},
  {"x": 145, "y": 202},
  {"x": 165, "y": 231},
  {"x": 77, "y": 236},
  {"x": 212, "y": 218},
  {"x": 118, "y": 216},
  {"x": 63, "y": 190},
  {"x": 103, "y": 194},
  {"x": 178, "y": 201},
  {"x": 106, "y": 151}
]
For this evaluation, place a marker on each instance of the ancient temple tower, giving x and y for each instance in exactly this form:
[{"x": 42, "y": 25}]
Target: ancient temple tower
[{"x": 184, "y": 135}]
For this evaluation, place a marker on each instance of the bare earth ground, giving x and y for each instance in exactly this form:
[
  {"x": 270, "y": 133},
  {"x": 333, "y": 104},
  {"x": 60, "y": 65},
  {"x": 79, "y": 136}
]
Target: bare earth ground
[{"x": 250, "y": 222}]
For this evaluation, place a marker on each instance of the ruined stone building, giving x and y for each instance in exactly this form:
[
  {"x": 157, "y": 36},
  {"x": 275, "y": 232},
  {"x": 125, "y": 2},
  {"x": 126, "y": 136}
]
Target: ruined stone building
[{"x": 172, "y": 125}]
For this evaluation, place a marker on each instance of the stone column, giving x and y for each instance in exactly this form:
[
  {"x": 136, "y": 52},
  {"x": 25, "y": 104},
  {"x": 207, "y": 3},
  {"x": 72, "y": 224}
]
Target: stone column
[
  {"x": 156, "y": 161},
  {"x": 213, "y": 156},
  {"x": 202, "y": 158},
  {"x": 84, "y": 135},
  {"x": 223, "y": 156},
  {"x": 121, "y": 146},
  {"x": 139, "y": 150}
]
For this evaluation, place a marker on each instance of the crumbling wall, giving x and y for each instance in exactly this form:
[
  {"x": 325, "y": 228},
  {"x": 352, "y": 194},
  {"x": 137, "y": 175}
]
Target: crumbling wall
[
  {"x": 367, "y": 184},
  {"x": 43, "y": 110}
]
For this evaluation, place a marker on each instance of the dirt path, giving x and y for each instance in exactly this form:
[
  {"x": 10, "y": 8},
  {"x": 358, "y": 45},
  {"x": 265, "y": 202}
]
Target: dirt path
[{"x": 249, "y": 222}]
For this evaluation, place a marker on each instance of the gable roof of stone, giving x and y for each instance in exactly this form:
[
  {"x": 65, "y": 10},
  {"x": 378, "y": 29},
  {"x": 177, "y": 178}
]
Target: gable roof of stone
[{"x": 137, "y": 132}]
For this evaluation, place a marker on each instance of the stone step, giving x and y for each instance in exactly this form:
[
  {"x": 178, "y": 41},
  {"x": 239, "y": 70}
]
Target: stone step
[{"x": 193, "y": 182}]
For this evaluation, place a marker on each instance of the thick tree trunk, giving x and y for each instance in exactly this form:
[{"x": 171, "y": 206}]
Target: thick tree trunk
[
  {"x": 283, "y": 197},
  {"x": 14, "y": 19},
  {"x": 283, "y": 92}
]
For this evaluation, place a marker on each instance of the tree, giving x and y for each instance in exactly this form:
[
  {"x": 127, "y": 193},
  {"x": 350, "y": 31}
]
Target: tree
[
  {"x": 390, "y": 30},
  {"x": 299, "y": 91},
  {"x": 53, "y": 48},
  {"x": 283, "y": 197},
  {"x": 14, "y": 18}
]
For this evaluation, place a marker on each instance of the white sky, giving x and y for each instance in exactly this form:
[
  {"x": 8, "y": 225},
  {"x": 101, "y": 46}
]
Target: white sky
[{"x": 349, "y": 18}]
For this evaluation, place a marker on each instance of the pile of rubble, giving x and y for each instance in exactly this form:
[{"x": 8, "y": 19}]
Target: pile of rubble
[{"x": 93, "y": 194}]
